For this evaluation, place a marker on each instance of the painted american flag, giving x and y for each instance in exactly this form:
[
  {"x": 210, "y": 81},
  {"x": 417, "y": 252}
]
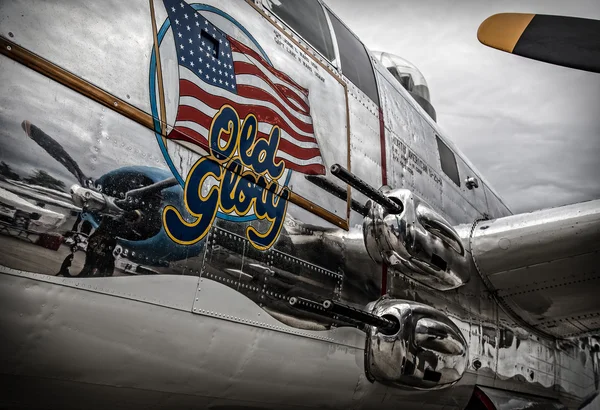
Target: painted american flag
[{"x": 215, "y": 69}]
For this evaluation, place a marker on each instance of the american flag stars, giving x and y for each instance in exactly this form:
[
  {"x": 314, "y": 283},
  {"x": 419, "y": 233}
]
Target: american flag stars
[{"x": 210, "y": 42}]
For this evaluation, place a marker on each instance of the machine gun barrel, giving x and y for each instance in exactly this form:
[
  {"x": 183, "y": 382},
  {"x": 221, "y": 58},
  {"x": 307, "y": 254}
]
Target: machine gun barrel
[
  {"x": 366, "y": 189},
  {"x": 361, "y": 316},
  {"x": 346, "y": 313}
]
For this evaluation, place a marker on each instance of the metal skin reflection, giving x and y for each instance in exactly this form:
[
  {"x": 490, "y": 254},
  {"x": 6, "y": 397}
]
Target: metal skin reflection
[
  {"x": 144, "y": 274},
  {"x": 427, "y": 351},
  {"x": 418, "y": 241},
  {"x": 122, "y": 210}
]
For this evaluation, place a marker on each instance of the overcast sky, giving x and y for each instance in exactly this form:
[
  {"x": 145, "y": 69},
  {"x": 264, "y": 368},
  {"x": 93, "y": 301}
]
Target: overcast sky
[{"x": 533, "y": 129}]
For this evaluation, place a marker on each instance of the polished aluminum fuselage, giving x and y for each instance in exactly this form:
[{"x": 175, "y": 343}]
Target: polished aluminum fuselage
[{"x": 212, "y": 328}]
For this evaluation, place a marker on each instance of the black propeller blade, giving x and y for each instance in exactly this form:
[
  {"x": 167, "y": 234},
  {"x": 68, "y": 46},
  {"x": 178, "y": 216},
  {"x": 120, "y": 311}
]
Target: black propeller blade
[
  {"x": 567, "y": 41},
  {"x": 55, "y": 150}
]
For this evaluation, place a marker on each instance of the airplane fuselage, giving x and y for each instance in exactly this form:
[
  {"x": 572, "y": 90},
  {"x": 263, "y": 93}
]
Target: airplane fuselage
[{"x": 192, "y": 296}]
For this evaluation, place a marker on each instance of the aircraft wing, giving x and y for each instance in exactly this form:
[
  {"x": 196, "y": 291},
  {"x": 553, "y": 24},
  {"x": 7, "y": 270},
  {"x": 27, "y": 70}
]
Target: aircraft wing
[{"x": 542, "y": 266}]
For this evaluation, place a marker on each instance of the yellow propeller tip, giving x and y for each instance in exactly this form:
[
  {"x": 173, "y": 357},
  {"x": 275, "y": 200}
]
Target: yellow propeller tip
[{"x": 502, "y": 31}]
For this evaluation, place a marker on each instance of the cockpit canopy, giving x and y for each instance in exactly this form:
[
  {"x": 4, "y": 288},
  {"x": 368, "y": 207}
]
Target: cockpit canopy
[{"x": 410, "y": 77}]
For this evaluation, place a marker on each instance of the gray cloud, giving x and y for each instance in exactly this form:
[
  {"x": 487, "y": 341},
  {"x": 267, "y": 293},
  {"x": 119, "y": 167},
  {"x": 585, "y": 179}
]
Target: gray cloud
[{"x": 531, "y": 128}]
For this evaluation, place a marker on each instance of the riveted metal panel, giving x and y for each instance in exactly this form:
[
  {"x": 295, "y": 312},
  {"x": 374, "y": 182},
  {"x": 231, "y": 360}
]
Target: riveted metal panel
[
  {"x": 537, "y": 262},
  {"x": 476, "y": 196},
  {"x": 402, "y": 116},
  {"x": 143, "y": 346},
  {"x": 409, "y": 148},
  {"x": 414, "y": 160},
  {"x": 89, "y": 39},
  {"x": 365, "y": 152},
  {"x": 521, "y": 355},
  {"x": 259, "y": 291},
  {"x": 271, "y": 278},
  {"x": 495, "y": 207},
  {"x": 523, "y": 234},
  {"x": 554, "y": 300},
  {"x": 574, "y": 374}
]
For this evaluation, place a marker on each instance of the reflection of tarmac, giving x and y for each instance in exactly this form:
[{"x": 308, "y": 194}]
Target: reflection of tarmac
[{"x": 20, "y": 254}]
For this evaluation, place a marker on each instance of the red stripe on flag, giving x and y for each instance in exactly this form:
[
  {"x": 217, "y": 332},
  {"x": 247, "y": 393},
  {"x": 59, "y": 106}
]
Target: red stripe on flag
[
  {"x": 256, "y": 93},
  {"x": 284, "y": 92},
  {"x": 187, "y": 113},
  {"x": 263, "y": 114},
  {"x": 187, "y": 134},
  {"x": 304, "y": 108},
  {"x": 241, "y": 48}
]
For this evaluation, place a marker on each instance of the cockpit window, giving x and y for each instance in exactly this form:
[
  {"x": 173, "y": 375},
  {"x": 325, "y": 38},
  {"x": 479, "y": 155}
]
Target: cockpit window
[
  {"x": 448, "y": 161},
  {"x": 409, "y": 76},
  {"x": 356, "y": 64},
  {"x": 308, "y": 20}
]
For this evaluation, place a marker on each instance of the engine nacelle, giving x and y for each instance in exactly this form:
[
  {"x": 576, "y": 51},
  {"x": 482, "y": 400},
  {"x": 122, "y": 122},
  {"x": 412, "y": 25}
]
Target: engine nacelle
[
  {"x": 426, "y": 351},
  {"x": 417, "y": 242}
]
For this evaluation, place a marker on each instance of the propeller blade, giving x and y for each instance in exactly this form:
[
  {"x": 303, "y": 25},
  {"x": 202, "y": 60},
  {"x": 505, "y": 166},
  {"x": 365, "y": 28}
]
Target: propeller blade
[
  {"x": 567, "y": 41},
  {"x": 55, "y": 150}
]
